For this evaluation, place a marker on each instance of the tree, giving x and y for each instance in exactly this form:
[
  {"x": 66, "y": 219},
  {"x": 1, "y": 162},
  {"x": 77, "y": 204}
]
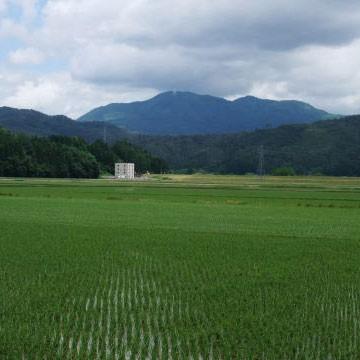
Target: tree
[{"x": 283, "y": 171}]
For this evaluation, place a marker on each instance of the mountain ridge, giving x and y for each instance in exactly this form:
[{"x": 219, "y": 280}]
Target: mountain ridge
[
  {"x": 33, "y": 122},
  {"x": 187, "y": 113},
  {"x": 328, "y": 147}
]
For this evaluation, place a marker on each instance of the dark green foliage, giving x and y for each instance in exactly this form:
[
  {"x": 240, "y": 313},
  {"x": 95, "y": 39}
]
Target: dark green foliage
[
  {"x": 65, "y": 157},
  {"x": 35, "y": 123},
  {"x": 124, "y": 151},
  {"x": 104, "y": 155},
  {"x": 143, "y": 160},
  {"x": 174, "y": 113},
  {"x": 284, "y": 171},
  {"x": 329, "y": 147},
  {"x": 25, "y": 156}
]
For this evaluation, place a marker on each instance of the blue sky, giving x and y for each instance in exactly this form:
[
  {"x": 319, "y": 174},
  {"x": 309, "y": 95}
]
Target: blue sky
[{"x": 69, "y": 56}]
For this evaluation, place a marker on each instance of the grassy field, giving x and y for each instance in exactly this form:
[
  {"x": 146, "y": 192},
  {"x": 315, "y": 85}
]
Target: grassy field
[{"x": 180, "y": 267}]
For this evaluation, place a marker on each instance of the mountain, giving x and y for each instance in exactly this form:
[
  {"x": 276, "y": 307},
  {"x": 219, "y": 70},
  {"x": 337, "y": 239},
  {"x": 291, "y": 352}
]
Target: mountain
[
  {"x": 329, "y": 147},
  {"x": 36, "y": 123},
  {"x": 174, "y": 113}
]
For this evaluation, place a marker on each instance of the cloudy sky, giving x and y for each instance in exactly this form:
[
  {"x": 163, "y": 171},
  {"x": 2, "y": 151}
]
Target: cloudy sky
[{"x": 69, "y": 56}]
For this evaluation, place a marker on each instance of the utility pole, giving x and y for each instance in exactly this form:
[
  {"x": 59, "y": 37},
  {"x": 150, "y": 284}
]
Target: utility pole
[{"x": 261, "y": 170}]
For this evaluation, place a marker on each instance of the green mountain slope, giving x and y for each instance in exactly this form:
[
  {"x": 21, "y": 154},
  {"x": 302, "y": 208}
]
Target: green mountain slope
[
  {"x": 36, "y": 123},
  {"x": 174, "y": 113},
  {"x": 329, "y": 147}
]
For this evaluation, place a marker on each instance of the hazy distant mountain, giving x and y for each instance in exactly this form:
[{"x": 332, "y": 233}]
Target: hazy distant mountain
[
  {"x": 188, "y": 113},
  {"x": 36, "y": 123}
]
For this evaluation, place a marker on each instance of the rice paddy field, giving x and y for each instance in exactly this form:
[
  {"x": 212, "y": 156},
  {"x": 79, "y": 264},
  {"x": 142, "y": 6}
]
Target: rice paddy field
[{"x": 180, "y": 267}]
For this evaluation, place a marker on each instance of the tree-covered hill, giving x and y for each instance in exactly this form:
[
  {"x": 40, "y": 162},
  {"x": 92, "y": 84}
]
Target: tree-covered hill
[
  {"x": 68, "y": 157},
  {"x": 176, "y": 113},
  {"x": 25, "y": 156},
  {"x": 36, "y": 123},
  {"x": 329, "y": 147}
]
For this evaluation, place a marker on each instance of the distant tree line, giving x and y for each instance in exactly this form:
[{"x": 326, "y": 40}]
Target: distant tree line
[
  {"x": 329, "y": 147},
  {"x": 123, "y": 151},
  {"x": 68, "y": 157}
]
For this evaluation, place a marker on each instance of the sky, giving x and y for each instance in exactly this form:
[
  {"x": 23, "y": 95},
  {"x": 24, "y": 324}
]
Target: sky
[{"x": 70, "y": 56}]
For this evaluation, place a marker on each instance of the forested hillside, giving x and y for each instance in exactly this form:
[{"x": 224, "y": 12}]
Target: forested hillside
[
  {"x": 185, "y": 113},
  {"x": 68, "y": 157},
  {"x": 36, "y": 123},
  {"x": 329, "y": 147}
]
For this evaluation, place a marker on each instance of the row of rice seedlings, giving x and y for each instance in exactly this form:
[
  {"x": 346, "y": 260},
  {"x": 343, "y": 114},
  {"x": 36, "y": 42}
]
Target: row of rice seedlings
[
  {"x": 333, "y": 318},
  {"x": 325, "y": 325},
  {"x": 131, "y": 315}
]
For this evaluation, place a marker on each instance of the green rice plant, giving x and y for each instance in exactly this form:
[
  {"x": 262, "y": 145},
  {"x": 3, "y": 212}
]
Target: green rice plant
[{"x": 179, "y": 270}]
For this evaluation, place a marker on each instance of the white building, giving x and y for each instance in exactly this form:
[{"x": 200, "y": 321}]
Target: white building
[{"x": 125, "y": 171}]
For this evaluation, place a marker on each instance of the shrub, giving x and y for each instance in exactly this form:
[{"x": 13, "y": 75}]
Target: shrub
[{"x": 284, "y": 171}]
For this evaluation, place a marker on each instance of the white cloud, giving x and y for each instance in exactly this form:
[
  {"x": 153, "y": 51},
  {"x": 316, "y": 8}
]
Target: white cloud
[
  {"x": 112, "y": 51},
  {"x": 13, "y": 30},
  {"x": 18, "y": 26},
  {"x": 279, "y": 24},
  {"x": 28, "y": 9},
  {"x": 170, "y": 67},
  {"x": 26, "y": 56},
  {"x": 60, "y": 94},
  {"x": 3, "y": 6}
]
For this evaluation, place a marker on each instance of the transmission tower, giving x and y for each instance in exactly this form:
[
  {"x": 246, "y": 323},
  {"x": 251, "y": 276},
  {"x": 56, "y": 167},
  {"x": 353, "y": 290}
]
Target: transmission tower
[{"x": 261, "y": 170}]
